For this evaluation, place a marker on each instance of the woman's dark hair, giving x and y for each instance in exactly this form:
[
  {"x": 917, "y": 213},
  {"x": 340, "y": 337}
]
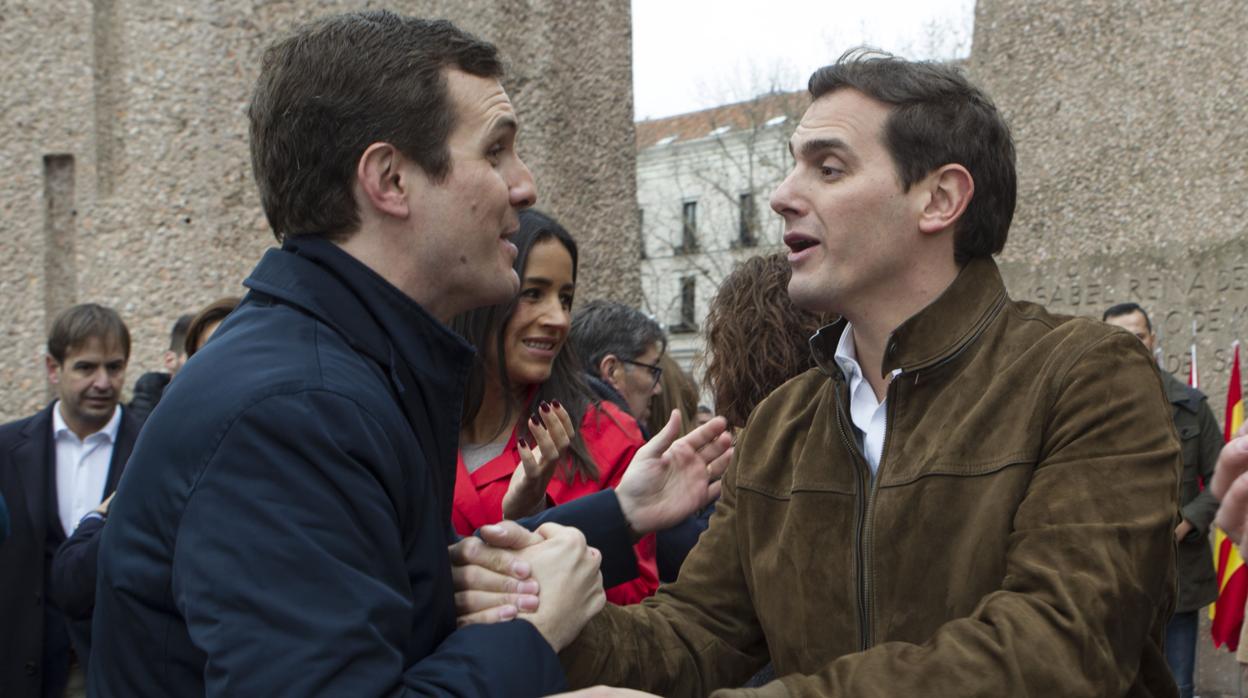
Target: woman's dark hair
[
  {"x": 213, "y": 313},
  {"x": 484, "y": 327},
  {"x": 756, "y": 339}
]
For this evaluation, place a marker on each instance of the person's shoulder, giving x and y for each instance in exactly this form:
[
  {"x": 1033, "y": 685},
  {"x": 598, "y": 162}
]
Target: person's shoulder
[
  {"x": 606, "y": 418},
  {"x": 152, "y": 381},
  {"x": 11, "y": 430}
]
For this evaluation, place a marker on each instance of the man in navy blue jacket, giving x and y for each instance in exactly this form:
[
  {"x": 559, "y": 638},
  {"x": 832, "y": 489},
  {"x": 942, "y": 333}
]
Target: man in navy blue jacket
[{"x": 284, "y": 525}]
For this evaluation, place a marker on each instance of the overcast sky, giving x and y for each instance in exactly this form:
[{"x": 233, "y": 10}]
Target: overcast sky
[{"x": 694, "y": 54}]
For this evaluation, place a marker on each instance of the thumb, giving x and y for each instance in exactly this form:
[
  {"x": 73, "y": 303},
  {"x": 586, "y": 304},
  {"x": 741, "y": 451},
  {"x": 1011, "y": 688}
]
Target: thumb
[
  {"x": 508, "y": 534},
  {"x": 663, "y": 440}
]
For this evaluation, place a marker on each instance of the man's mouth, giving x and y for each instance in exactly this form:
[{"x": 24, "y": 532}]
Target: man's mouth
[{"x": 796, "y": 242}]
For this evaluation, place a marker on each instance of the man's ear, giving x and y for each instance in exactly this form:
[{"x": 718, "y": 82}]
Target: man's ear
[
  {"x": 54, "y": 369},
  {"x": 608, "y": 367},
  {"x": 949, "y": 190},
  {"x": 383, "y": 180}
]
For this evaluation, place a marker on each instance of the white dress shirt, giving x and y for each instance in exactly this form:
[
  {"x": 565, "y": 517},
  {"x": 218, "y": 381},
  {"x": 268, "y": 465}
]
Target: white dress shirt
[
  {"x": 81, "y": 467},
  {"x": 867, "y": 414}
]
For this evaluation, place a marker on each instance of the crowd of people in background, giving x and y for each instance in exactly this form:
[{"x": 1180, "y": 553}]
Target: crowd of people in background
[{"x": 411, "y": 461}]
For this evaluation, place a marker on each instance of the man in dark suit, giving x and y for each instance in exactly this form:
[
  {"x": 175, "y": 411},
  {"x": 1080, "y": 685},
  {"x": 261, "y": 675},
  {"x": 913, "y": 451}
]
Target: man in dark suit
[{"x": 55, "y": 468}]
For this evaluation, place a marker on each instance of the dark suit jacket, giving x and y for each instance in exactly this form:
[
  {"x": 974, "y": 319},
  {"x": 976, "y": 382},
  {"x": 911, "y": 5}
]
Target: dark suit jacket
[{"x": 28, "y": 485}]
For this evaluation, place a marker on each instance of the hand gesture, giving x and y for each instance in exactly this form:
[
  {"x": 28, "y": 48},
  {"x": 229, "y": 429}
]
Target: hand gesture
[
  {"x": 1230, "y": 486},
  {"x": 550, "y": 435},
  {"x": 568, "y": 571},
  {"x": 670, "y": 478},
  {"x": 492, "y": 583}
]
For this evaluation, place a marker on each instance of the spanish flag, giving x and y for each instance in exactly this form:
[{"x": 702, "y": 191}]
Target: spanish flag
[{"x": 1227, "y": 613}]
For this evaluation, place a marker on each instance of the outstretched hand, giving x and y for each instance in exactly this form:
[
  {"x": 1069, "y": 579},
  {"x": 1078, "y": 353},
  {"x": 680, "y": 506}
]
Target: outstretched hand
[
  {"x": 1230, "y": 486},
  {"x": 671, "y": 478}
]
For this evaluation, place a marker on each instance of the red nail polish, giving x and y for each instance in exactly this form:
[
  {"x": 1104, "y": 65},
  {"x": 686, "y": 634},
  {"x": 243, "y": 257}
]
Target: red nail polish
[
  {"x": 525, "y": 442},
  {"x": 556, "y": 403},
  {"x": 534, "y": 419},
  {"x": 545, "y": 406}
]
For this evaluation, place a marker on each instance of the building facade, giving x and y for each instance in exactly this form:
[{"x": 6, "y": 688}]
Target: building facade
[
  {"x": 703, "y": 184},
  {"x": 126, "y": 173}
]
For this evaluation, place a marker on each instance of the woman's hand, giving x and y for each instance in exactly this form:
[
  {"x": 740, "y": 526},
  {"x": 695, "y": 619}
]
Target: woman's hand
[{"x": 550, "y": 435}]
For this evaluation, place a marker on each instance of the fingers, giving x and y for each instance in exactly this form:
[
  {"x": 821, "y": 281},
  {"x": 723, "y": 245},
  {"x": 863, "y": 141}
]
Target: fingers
[
  {"x": 551, "y": 531},
  {"x": 528, "y": 463},
  {"x": 661, "y": 441},
  {"x": 565, "y": 420},
  {"x": 498, "y": 614},
  {"x": 713, "y": 491},
  {"x": 509, "y": 535},
  {"x": 1232, "y": 463},
  {"x": 716, "y": 468},
  {"x": 472, "y": 551},
  {"x": 707, "y": 434},
  {"x": 472, "y": 602},
  {"x": 1233, "y": 513},
  {"x": 472, "y": 577}
]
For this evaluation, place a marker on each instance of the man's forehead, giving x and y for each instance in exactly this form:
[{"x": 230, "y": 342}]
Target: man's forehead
[
  {"x": 478, "y": 100},
  {"x": 96, "y": 348},
  {"x": 845, "y": 115}
]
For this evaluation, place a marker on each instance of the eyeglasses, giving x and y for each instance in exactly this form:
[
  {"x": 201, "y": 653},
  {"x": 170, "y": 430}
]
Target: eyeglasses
[{"x": 656, "y": 371}]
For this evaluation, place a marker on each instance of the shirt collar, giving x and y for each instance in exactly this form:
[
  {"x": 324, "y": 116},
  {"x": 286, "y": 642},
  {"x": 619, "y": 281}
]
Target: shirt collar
[
  {"x": 846, "y": 355},
  {"x": 59, "y": 426}
]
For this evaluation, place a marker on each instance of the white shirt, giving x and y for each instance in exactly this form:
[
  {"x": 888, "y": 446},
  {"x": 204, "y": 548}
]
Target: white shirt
[
  {"x": 81, "y": 467},
  {"x": 867, "y": 414}
]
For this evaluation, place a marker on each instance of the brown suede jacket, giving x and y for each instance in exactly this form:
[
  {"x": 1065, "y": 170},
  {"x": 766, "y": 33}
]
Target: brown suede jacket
[{"x": 1018, "y": 539}]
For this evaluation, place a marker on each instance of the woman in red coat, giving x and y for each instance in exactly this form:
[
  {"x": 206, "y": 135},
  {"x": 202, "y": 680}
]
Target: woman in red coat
[{"x": 519, "y": 450}]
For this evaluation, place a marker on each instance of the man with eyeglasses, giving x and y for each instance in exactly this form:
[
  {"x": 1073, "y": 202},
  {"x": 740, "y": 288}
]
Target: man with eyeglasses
[{"x": 620, "y": 348}]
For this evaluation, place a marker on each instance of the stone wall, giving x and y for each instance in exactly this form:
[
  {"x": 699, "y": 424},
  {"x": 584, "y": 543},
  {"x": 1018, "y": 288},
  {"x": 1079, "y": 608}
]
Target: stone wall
[
  {"x": 1132, "y": 133},
  {"x": 126, "y": 178}
]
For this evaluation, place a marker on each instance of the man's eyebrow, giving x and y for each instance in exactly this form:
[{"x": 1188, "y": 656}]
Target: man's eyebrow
[
  {"x": 816, "y": 146},
  {"x": 504, "y": 124}
]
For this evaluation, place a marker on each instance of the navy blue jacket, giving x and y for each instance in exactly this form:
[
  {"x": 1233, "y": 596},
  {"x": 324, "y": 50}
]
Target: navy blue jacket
[{"x": 283, "y": 525}]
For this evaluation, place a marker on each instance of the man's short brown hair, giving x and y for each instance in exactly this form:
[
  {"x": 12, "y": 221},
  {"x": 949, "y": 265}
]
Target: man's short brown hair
[
  {"x": 335, "y": 87},
  {"x": 76, "y": 326}
]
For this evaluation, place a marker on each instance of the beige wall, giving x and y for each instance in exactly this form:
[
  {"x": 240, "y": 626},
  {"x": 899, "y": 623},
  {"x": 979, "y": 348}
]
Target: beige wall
[
  {"x": 157, "y": 214},
  {"x": 1131, "y": 119}
]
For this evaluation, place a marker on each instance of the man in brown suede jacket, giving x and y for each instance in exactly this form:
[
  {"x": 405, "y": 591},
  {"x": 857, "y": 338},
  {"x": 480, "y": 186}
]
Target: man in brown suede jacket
[{"x": 969, "y": 496}]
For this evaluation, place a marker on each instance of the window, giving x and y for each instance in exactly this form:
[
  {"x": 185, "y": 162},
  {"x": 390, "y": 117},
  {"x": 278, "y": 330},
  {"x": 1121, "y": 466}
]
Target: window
[
  {"x": 688, "y": 306},
  {"x": 641, "y": 231},
  {"x": 688, "y": 227},
  {"x": 747, "y": 223}
]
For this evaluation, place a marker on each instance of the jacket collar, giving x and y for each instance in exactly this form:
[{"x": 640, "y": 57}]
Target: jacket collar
[
  {"x": 939, "y": 331},
  {"x": 427, "y": 364},
  {"x": 376, "y": 318}
]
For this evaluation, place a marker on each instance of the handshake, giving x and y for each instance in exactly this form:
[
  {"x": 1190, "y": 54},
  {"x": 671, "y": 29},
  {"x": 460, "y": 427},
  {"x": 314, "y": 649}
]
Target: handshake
[{"x": 500, "y": 575}]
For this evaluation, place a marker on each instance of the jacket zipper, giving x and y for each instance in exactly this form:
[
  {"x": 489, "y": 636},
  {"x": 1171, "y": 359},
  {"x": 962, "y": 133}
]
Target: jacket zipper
[
  {"x": 864, "y": 482},
  {"x": 866, "y": 601}
]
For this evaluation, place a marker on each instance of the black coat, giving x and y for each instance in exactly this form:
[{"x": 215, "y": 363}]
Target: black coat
[
  {"x": 147, "y": 391},
  {"x": 27, "y": 483},
  {"x": 285, "y": 520}
]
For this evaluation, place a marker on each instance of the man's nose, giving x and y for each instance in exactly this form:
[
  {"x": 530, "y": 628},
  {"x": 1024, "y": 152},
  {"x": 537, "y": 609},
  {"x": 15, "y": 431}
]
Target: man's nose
[
  {"x": 100, "y": 381},
  {"x": 523, "y": 190},
  {"x": 783, "y": 200}
]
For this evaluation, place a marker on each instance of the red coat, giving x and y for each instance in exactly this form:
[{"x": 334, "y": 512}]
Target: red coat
[{"x": 611, "y": 437}]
